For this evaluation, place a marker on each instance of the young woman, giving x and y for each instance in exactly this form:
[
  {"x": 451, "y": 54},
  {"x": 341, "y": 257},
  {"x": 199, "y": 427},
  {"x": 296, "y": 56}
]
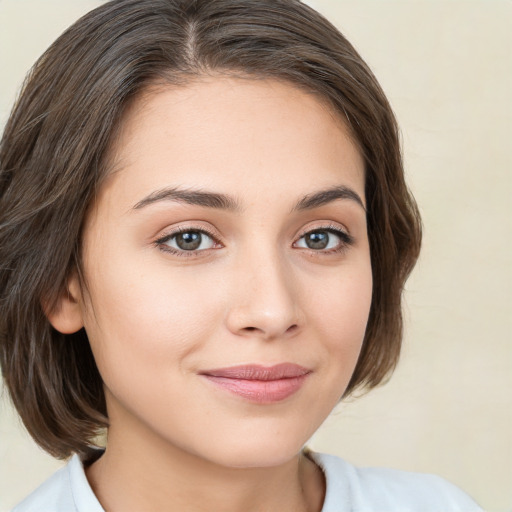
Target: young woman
[{"x": 204, "y": 236}]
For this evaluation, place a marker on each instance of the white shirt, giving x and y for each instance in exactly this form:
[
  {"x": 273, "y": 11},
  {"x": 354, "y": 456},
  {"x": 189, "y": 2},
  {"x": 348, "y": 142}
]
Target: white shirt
[{"x": 348, "y": 489}]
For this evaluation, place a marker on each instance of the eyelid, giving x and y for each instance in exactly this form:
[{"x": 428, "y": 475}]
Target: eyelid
[{"x": 325, "y": 227}]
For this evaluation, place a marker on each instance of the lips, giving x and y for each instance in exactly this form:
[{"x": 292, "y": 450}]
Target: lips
[
  {"x": 258, "y": 372},
  {"x": 257, "y": 383}
]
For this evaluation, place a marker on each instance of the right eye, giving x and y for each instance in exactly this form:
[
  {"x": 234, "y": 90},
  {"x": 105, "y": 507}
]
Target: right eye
[{"x": 186, "y": 240}]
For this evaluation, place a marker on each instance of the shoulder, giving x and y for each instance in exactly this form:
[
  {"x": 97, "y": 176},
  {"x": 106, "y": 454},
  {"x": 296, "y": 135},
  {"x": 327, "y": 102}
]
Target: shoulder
[
  {"x": 381, "y": 489},
  {"x": 67, "y": 490},
  {"x": 52, "y": 495}
]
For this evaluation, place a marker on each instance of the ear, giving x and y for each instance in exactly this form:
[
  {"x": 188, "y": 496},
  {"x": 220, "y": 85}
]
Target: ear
[{"x": 66, "y": 315}]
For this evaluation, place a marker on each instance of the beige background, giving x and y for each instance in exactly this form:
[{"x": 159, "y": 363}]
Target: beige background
[{"x": 447, "y": 69}]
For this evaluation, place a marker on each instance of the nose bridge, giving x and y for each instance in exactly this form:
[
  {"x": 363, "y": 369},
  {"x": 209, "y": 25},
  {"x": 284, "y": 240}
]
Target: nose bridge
[{"x": 265, "y": 301}]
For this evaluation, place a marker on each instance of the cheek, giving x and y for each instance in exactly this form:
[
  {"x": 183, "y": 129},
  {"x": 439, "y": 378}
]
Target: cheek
[
  {"x": 340, "y": 315},
  {"x": 147, "y": 316},
  {"x": 342, "y": 305}
]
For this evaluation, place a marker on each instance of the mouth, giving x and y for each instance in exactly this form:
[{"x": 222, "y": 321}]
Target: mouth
[{"x": 257, "y": 383}]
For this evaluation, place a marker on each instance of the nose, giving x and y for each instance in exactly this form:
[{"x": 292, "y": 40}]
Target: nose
[{"x": 265, "y": 301}]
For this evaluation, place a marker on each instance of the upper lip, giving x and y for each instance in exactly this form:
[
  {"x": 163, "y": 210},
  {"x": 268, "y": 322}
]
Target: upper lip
[{"x": 259, "y": 372}]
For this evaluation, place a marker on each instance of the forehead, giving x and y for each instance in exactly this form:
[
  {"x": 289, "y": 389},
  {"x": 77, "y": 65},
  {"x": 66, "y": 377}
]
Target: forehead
[{"x": 234, "y": 134}]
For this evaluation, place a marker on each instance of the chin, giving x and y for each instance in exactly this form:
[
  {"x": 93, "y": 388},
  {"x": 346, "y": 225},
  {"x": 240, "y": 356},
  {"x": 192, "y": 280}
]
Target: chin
[{"x": 257, "y": 452}]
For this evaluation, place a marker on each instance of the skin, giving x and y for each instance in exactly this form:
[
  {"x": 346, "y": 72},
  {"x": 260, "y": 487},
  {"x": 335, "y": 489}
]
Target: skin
[{"x": 256, "y": 293}]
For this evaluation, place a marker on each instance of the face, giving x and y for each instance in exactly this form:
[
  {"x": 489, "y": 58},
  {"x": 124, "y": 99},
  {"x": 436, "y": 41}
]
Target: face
[{"x": 228, "y": 269}]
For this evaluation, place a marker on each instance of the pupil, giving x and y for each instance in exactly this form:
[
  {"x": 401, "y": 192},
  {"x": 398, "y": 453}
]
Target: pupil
[
  {"x": 188, "y": 241},
  {"x": 317, "y": 240}
]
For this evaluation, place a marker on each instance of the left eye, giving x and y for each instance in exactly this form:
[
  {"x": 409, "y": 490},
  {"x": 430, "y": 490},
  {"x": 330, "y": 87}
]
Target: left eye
[
  {"x": 190, "y": 240},
  {"x": 322, "y": 239}
]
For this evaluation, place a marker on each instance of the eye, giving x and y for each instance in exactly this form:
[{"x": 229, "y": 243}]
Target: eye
[
  {"x": 186, "y": 240},
  {"x": 328, "y": 239}
]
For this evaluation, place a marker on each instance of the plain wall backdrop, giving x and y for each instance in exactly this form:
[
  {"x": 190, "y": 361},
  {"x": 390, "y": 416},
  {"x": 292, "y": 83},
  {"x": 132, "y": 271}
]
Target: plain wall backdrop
[{"x": 446, "y": 67}]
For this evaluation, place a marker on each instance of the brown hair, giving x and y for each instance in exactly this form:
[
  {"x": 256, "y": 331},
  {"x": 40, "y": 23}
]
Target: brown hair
[{"x": 53, "y": 156}]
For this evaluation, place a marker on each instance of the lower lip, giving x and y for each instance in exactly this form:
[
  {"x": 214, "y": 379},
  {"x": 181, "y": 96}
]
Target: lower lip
[{"x": 260, "y": 391}]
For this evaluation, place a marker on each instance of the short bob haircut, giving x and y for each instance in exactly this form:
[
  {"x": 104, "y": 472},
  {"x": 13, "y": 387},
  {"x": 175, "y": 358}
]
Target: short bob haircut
[{"x": 54, "y": 154}]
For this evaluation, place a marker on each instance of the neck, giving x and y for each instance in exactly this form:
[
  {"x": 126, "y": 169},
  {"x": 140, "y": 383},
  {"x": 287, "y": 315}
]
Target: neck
[{"x": 159, "y": 477}]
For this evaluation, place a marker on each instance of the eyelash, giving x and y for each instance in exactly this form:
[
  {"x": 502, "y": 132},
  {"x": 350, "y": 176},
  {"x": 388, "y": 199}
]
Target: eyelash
[{"x": 346, "y": 240}]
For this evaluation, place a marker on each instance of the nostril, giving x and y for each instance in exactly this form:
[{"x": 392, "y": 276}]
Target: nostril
[{"x": 292, "y": 329}]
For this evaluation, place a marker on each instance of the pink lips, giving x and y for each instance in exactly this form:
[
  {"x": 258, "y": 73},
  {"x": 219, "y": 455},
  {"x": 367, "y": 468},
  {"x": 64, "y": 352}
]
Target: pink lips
[{"x": 260, "y": 384}]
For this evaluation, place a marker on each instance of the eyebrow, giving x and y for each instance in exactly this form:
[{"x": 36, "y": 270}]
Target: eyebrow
[
  {"x": 326, "y": 196},
  {"x": 220, "y": 201},
  {"x": 190, "y": 196}
]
